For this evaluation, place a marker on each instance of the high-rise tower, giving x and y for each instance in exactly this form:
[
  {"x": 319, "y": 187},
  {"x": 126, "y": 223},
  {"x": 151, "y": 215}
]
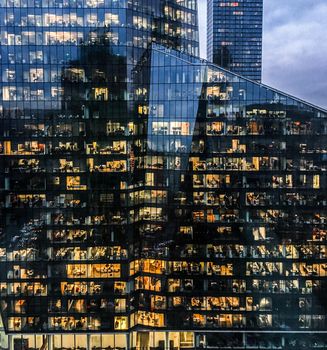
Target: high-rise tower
[
  {"x": 234, "y": 36},
  {"x": 71, "y": 146},
  {"x": 150, "y": 200}
]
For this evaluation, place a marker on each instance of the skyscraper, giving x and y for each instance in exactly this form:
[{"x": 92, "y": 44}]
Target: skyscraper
[
  {"x": 150, "y": 199},
  {"x": 234, "y": 36},
  {"x": 70, "y": 142}
]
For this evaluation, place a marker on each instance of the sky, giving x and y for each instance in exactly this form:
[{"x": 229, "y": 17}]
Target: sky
[{"x": 294, "y": 47}]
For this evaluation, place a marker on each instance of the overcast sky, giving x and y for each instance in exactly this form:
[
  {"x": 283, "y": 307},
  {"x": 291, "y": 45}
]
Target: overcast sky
[{"x": 294, "y": 47}]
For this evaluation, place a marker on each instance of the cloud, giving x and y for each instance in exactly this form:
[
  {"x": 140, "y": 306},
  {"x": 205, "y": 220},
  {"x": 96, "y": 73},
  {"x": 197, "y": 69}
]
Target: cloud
[
  {"x": 202, "y": 7},
  {"x": 294, "y": 47}
]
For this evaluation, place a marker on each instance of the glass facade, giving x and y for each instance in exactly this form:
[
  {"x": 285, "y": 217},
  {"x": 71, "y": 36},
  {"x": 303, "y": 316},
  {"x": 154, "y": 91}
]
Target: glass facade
[
  {"x": 234, "y": 36},
  {"x": 150, "y": 199}
]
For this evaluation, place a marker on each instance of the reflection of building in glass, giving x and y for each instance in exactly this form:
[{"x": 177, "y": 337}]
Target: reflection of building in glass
[
  {"x": 150, "y": 199},
  {"x": 234, "y": 32}
]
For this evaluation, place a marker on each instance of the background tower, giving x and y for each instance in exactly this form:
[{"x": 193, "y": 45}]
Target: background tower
[{"x": 234, "y": 36}]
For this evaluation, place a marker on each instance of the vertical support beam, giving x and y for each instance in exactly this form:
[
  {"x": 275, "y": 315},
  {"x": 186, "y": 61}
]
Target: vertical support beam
[
  {"x": 167, "y": 345},
  {"x": 50, "y": 341},
  {"x": 244, "y": 339}
]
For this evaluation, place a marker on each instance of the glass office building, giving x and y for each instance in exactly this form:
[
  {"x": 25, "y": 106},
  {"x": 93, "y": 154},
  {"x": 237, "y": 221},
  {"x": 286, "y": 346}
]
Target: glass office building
[
  {"x": 150, "y": 199},
  {"x": 234, "y": 36}
]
